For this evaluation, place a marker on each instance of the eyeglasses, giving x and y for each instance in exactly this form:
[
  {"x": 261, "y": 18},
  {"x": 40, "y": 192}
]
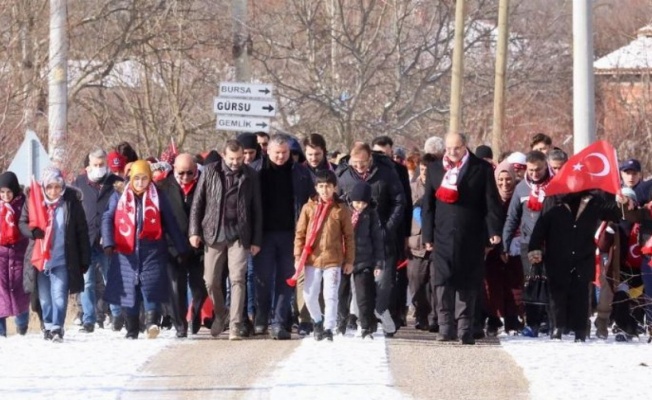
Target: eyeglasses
[{"x": 187, "y": 173}]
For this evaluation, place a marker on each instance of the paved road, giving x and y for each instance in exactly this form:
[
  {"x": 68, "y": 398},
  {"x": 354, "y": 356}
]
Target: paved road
[{"x": 205, "y": 368}]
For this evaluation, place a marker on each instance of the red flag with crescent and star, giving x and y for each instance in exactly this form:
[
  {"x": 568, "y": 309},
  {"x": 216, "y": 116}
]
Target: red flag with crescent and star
[{"x": 595, "y": 167}]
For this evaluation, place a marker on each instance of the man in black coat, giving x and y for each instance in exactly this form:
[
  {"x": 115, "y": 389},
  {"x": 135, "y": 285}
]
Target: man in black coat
[
  {"x": 179, "y": 187},
  {"x": 384, "y": 146},
  {"x": 96, "y": 185},
  {"x": 388, "y": 195},
  {"x": 461, "y": 216}
]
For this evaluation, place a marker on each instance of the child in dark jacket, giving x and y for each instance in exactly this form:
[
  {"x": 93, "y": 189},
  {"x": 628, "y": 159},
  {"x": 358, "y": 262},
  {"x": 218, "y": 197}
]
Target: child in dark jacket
[{"x": 369, "y": 255}]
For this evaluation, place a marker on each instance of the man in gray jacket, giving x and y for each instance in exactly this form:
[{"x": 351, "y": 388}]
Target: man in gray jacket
[{"x": 524, "y": 211}]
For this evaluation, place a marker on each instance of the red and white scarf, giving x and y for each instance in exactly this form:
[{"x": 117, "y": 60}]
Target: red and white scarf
[
  {"x": 124, "y": 223},
  {"x": 355, "y": 217},
  {"x": 537, "y": 193},
  {"x": 9, "y": 233},
  {"x": 447, "y": 191},
  {"x": 634, "y": 249}
]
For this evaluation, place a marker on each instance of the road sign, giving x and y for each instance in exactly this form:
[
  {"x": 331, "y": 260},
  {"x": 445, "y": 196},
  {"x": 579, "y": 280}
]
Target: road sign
[
  {"x": 244, "y": 107},
  {"x": 30, "y": 159},
  {"x": 245, "y": 90},
  {"x": 242, "y": 124}
]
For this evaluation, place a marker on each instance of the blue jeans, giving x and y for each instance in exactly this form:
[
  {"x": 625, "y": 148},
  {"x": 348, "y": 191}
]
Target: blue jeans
[
  {"x": 89, "y": 296},
  {"x": 272, "y": 266},
  {"x": 21, "y": 322},
  {"x": 251, "y": 287},
  {"x": 141, "y": 299},
  {"x": 53, "y": 295},
  {"x": 646, "y": 275}
]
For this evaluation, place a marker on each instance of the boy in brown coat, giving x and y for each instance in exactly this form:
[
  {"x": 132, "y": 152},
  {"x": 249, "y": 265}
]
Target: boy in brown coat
[{"x": 325, "y": 234}]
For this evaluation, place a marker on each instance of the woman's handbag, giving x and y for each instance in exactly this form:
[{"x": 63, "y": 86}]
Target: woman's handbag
[{"x": 536, "y": 287}]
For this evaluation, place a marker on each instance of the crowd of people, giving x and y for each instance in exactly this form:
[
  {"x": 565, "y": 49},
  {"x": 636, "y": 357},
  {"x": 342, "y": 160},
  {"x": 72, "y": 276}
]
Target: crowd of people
[{"x": 271, "y": 235}]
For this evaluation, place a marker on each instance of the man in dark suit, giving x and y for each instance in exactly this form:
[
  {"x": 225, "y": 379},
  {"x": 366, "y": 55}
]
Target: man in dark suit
[{"x": 461, "y": 216}]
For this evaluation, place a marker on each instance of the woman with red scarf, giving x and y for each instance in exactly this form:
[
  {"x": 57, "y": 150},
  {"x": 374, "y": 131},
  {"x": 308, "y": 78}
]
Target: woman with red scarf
[
  {"x": 133, "y": 233},
  {"x": 13, "y": 299},
  {"x": 503, "y": 281}
]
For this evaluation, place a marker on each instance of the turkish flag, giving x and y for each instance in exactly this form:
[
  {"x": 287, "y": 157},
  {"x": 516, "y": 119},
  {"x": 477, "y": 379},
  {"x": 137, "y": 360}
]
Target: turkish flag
[
  {"x": 595, "y": 167},
  {"x": 38, "y": 218}
]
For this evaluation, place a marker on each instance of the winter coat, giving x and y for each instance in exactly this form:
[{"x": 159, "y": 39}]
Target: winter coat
[
  {"x": 303, "y": 187},
  {"x": 180, "y": 204},
  {"x": 208, "y": 206},
  {"x": 77, "y": 243},
  {"x": 13, "y": 299},
  {"x": 415, "y": 244},
  {"x": 386, "y": 191},
  {"x": 460, "y": 231},
  {"x": 334, "y": 245},
  {"x": 147, "y": 265},
  {"x": 369, "y": 247},
  {"x": 568, "y": 241},
  {"x": 95, "y": 198},
  {"x": 519, "y": 217}
]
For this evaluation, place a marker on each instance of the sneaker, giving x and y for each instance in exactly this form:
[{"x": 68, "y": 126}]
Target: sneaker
[
  {"x": 234, "y": 333},
  {"x": 492, "y": 331},
  {"x": 328, "y": 335},
  {"x": 57, "y": 336},
  {"x": 87, "y": 328},
  {"x": 153, "y": 331},
  {"x": 304, "y": 329},
  {"x": 218, "y": 326},
  {"x": 529, "y": 331},
  {"x": 387, "y": 322},
  {"x": 280, "y": 334}
]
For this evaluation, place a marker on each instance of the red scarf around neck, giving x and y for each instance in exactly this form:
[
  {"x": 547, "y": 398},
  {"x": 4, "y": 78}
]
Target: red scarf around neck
[
  {"x": 315, "y": 226},
  {"x": 124, "y": 223},
  {"x": 447, "y": 191},
  {"x": 537, "y": 194},
  {"x": 355, "y": 217},
  {"x": 186, "y": 188},
  {"x": 9, "y": 233}
]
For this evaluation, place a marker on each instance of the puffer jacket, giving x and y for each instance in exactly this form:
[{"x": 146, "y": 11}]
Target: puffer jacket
[
  {"x": 369, "y": 241},
  {"x": 334, "y": 244},
  {"x": 207, "y": 206},
  {"x": 13, "y": 299}
]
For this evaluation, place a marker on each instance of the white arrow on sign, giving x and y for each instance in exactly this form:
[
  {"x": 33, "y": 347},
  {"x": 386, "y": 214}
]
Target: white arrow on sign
[
  {"x": 244, "y": 107},
  {"x": 242, "y": 124},
  {"x": 245, "y": 90}
]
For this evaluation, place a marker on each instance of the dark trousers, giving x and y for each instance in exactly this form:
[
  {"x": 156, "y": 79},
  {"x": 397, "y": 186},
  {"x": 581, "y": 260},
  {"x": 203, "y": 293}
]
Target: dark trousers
[
  {"x": 569, "y": 306},
  {"x": 365, "y": 295},
  {"x": 272, "y": 266},
  {"x": 423, "y": 297},
  {"x": 181, "y": 276},
  {"x": 455, "y": 310},
  {"x": 385, "y": 287},
  {"x": 535, "y": 314},
  {"x": 344, "y": 300}
]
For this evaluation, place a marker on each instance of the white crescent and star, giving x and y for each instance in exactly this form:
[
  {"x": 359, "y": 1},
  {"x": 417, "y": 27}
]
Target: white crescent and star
[
  {"x": 126, "y": 232},
  {"x": 632, "y": 253},
  {"x": 606, "y": 169}
]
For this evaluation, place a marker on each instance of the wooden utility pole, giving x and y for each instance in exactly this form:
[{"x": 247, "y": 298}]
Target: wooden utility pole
[
  {"x": 241, "y": 41},
  {"x": 499, "y": 82},
  {"x": 58, "y": 82},
  {"x": 457, "y": 70}
]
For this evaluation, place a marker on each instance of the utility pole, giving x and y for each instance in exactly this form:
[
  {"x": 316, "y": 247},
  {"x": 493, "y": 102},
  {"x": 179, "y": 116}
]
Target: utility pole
[
  {"x": 500, "y": 81},
  {"x": 583, "y": 82},
  {"x": 457, "y": 70},
  {"x": 58, "y": 82},
  {"x": 241, "y": 41}
]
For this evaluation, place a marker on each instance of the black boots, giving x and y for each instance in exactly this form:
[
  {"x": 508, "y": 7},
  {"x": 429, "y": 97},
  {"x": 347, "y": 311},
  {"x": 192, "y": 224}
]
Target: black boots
[
  {"x": 318, "y": 332},
  {"x": 132, "y": 323},
  {"x": 151, "y": 324}
]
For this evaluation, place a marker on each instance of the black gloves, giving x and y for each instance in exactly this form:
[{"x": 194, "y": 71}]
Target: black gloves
[{"x": 37, "y": 233}]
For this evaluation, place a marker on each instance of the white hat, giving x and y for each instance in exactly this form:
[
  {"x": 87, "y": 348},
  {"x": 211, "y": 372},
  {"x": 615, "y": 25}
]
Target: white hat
[{"x": 516, "y": 158}]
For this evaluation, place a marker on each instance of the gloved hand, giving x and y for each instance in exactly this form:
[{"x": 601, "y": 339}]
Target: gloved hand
[
  {"x": 108, "y": 251},
  {"x": 37, "y": 233}
]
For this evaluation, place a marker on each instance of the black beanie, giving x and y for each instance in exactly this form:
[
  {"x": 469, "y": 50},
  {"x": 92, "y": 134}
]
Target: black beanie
[
  {"x": 248, "y": 140},
  {"x": 361, "y": 192},
  {"x": 9, "y": 180},
  {"x": 484, "y": 152}
]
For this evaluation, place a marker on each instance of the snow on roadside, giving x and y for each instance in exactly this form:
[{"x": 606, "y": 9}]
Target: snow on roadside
[
  {"x": 596, "y": 369},
  {"x": 93, "y": 366},
  {"x": 348, "y": 367}
]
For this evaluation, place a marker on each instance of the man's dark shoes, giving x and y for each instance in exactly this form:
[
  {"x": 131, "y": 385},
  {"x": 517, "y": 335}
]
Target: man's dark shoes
[
  {"x": 304, "y": 328},
  {"x": 468, "y": 338},
  {"x": 433, "y": 328},
  {"x": 280, "y": 334},
  {"x": 328, "y": 335},
  {"x": 260, "y": 330},
  {"x": 118, "y": 323},
  {"x": 47, "y": 335},
  {"x": 87, "y": 328},
  {"x": 57, "y": 336},
  {"x": 366, "y": 333},
  {"x": 556, "y": 334},
  {"x": 318, "y": 332}
]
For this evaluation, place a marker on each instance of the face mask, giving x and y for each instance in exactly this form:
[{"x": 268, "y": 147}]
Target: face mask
[{"x": 96, "y": 173}]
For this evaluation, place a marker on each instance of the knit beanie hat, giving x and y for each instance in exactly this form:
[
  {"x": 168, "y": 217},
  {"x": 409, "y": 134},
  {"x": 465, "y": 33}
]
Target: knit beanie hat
[
  {"x": 361, "y": 192},
  {"x": 483, "y": 151},
  {"x": 9, "y": 180},
  {"x": 51, "y": 175},
  {"x": 248, "y": 140}
]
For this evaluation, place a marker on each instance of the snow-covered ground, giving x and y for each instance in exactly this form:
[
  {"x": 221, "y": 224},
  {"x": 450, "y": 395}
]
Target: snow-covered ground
[
  {"x": 88, "y": 366},
  {"x": 593, "y": 370},
  {"x": 348, "y": 367}
]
